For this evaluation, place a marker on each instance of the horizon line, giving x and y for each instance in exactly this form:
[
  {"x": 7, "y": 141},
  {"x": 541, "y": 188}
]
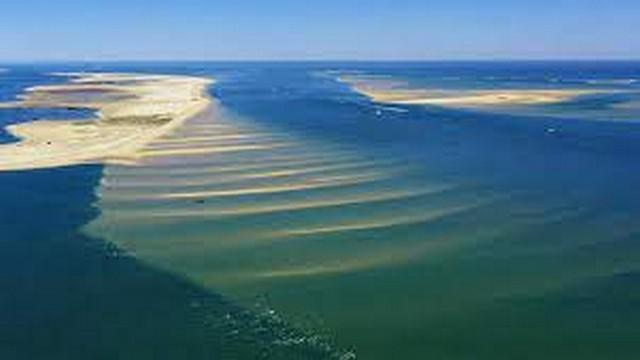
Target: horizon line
[{"x": 302, "y": 60}]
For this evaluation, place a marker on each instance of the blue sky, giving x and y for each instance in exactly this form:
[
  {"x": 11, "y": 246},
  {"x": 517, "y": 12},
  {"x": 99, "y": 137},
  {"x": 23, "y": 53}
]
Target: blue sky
[{"x": 326, "y": 29}]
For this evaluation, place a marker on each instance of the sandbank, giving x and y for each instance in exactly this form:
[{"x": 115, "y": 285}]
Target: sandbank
[
  {"x": 393, "y": 92},
  {"x": 131, "y": 111}
]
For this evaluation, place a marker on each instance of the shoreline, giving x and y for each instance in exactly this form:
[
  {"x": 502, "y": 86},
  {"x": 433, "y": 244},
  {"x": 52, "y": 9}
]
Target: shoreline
[{"x": 131, "y": 111}]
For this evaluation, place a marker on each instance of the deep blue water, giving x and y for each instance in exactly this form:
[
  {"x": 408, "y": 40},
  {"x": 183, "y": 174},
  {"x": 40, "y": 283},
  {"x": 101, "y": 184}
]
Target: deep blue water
[
  {"x": 565, "y": 287},
  {"x": 13, "y": 83}
]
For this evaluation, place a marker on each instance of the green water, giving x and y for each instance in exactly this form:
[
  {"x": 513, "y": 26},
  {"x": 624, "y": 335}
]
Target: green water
[{"x": 380, "y": 253}]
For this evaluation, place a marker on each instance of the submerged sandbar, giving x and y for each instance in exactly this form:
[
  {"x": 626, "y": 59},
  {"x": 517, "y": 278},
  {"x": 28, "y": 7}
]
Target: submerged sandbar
[{"x": 131, "y": 110}]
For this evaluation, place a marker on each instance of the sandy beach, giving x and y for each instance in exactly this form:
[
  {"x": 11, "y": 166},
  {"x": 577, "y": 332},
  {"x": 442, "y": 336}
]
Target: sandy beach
[
  {"x": 131, "y": 110},
  {"x": 393, "y": 92}
]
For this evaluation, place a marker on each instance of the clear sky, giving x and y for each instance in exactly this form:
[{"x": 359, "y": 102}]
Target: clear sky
[{"x": 321, "y": 29}]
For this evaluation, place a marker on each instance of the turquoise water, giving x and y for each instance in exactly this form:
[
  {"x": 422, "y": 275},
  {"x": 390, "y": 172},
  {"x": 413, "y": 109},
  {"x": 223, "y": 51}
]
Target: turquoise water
[{"x": 346, "y": 227}]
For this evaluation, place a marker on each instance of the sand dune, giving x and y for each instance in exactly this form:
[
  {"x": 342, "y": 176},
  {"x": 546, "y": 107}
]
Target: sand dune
[
  {"x": 224, "y": 176},
  {"x": 373, "y": 224},
  {"x": 285, "y": 162},
  {"x": 265, "y": 207},
  {"x": 315, "y": 183},
  {"x": 189, "y": 150}
]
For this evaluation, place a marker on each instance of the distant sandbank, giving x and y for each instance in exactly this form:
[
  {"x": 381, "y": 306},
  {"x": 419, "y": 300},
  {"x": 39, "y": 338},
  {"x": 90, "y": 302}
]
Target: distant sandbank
[
  {"x": 393, "y": 92},
  {"x": 131, "y": 110}
]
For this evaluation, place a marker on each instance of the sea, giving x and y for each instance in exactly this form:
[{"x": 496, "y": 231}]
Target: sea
[{"x": 298, "y": 219}]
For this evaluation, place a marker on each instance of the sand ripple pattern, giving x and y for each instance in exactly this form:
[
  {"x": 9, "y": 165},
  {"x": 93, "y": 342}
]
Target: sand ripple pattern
[{"x": 226, "y": 201}]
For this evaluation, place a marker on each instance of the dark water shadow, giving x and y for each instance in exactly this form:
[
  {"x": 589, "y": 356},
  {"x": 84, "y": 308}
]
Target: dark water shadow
[{"x": 64, "y": 295}]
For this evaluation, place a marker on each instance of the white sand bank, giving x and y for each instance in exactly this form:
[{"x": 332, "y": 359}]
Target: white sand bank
[
  {"x": 392, "y": 92},
  {"x": 132, "y": 110}
]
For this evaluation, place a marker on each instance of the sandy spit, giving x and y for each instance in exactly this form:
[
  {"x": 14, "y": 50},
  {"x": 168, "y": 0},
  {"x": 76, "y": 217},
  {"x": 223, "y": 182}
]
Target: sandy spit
[{"x": 131, "y": 111}]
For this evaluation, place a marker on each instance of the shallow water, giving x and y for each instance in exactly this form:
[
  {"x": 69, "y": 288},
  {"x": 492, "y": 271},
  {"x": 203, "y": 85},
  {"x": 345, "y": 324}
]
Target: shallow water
[
  {"x": 603, "y": 91},
  {"x": 424, "y": 232}
]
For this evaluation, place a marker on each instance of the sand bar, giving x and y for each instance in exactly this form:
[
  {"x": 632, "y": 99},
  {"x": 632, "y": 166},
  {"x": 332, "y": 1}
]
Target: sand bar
[
  {"x": 131, "y": 111},
  {"x": 394, "y": 92}
]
